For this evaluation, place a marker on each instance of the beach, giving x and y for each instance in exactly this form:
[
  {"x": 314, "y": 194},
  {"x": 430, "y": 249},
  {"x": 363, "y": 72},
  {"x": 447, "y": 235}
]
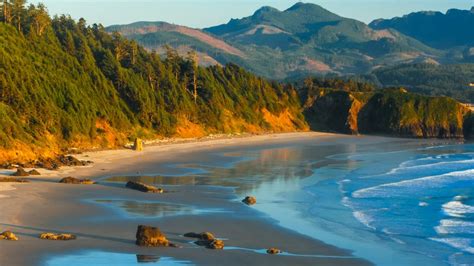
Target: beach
[{"x": 47, "y": 206}]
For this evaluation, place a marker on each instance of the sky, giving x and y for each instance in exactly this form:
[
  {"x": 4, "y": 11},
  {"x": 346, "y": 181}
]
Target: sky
[{"x": 205, "y": 13}]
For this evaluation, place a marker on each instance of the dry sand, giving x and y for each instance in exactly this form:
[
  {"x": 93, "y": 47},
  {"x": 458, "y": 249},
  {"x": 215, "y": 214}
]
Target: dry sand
[{"x": 47, "y": 206}]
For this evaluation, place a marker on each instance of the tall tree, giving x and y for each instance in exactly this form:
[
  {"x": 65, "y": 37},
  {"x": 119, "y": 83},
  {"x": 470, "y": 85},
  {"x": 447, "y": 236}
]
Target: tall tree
[
  {"x": 6, "y": 12},
  {"x": 18, "y": 10},
  {"x": 193, "y": 59},
  {"x": 39, "y": 18}
]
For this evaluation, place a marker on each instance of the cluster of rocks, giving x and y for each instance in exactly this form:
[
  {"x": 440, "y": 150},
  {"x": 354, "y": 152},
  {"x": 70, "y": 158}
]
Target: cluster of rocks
[
  {"x": 148, "y": 236},
  {"x": 76, "y": 181},
  {"x": 273, "y": 251},
  {"x": 143, "y": 187},
  {"x": 207, "y": 240},
  {"x": 62, "y": 237},
  {"x": 7, "y": 235},
  {"x": 12, "y": 180},
  {"x": 49, "y": 163},
  {"x": 22, "y": 172}
]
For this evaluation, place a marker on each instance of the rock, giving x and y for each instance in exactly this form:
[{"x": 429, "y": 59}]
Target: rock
[
  {"x": 148, "y": 236},
  {"x": 143, "y": 187},
  {"x": 138, "y": 145},
  {"x": 207, "y": 240},
  {"x": 273, "y": 251},
  {"x": 7, "y": 235},
  {"x": 12, "y": 180},
  {"x": 202, "y": 236},
  {"x": 73, "y": 180},
  {"x": 34, "y": 172},
  {"x": 52, "y": 236},
  {"x": 216, "y": 244},
  {"x": 249, "y": 200},
  {"x": 20, "y": 172}
]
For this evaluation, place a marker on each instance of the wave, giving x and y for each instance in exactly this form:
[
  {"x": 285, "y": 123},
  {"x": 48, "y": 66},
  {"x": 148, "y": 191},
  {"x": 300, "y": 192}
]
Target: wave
[
  {"x": 457, "y": 209},
  {"x": 413, "y": 185},
  {"x": 464, "y": 244},
  {"x": 451, "y": 226}
]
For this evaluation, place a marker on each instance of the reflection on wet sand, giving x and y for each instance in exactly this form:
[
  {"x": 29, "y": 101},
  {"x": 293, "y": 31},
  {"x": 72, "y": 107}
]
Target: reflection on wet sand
[
  {"x": 279, "y": 165},
  {"x": 111, "y": 258},
  {"x": 152, "y": 209}
]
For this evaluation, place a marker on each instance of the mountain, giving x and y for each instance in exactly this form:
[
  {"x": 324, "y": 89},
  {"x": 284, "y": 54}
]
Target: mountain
[
  {"x": 453, "y": 29},
  {"x": 155, "y": 35},
  {"x": 304, "y": 39}
]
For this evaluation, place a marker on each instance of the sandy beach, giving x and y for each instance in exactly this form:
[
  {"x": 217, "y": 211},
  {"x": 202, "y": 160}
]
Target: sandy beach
[{"x": 47, "y": 206}]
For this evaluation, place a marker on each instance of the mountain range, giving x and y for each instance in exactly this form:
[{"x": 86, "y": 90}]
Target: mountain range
[{"x": 308, "y": 39}]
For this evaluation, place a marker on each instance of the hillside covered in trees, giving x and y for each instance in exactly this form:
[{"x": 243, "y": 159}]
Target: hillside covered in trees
[{"x": 65, "y": 84}]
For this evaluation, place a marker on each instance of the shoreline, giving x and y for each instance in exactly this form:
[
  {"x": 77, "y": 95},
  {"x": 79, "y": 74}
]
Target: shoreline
[{"x": 49, "y": 204}]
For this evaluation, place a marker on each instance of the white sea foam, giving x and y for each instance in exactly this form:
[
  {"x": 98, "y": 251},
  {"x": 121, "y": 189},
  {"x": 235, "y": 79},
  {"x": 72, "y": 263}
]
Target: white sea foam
[
  {"x": 464, "y": 244},
  {"x": 423, "y": 204},
  {"x": 364, "y": 218},
  {"x": 451, "y": 226},
  {"x": 457, "y": 209},
  {"x": 413, "y": 185}
]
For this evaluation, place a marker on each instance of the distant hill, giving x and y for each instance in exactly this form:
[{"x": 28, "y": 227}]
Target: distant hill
[
  {"x": 304, "y": 39},
  {"x": 453, "y": 29},
  {"x": 451, "y": 80}
]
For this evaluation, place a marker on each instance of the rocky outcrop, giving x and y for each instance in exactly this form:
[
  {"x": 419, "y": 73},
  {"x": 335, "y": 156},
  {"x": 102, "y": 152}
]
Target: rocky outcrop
[
  {"x": 250, "y": 200},
  {"x": 148, "y": 236},
  {"x": 76, "y": 181},
  {"x": 410, "y": 115},
  {"x": 334, "y": 111},
  {"x": 273, "y": 251},
  {"x": 7, "y": 235},
  {"x": 62, "y": 237},
  {"x": 207, "y": 240},
  {"x": 144, "y": 187}
]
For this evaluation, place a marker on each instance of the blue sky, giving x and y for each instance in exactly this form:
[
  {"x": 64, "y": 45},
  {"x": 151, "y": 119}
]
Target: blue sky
[{"x": 203, "y": 13}]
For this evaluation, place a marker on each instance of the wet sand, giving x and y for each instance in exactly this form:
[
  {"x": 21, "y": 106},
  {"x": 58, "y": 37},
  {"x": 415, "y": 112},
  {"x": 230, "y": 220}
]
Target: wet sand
[{"x": 46, "y": 206}]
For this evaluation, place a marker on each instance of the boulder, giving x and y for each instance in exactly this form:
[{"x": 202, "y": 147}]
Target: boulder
[
  {"x": 201, "y": 236},
  {"x": 52, "y": 236},
  {"x": 143, "y": 187},
  {"x": 273, "y": 251},
  {"x": 73, "y": 180},
  {"x": 148, "y": 236},
  {"x": 20, "y": 172},
  {"x": 34, "y": 172},
  {"x": 207, "y": 240},
  {"x": 138, "y": 145},
  {"x": 249, "y": 200},
  {"x": 7, "y": 235}
]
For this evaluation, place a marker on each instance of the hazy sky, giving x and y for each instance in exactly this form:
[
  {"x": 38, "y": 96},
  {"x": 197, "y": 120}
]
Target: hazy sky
[{"x": 203, "y": 13}]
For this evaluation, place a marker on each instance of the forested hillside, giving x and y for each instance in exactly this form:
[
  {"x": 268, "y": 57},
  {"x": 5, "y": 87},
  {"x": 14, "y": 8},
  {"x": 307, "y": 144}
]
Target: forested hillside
[{"x": 66, "y": 84}]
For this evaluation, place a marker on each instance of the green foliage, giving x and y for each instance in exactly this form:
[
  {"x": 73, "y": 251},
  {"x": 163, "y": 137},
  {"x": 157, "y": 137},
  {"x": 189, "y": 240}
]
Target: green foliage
[{"x": 70, "y": 77}]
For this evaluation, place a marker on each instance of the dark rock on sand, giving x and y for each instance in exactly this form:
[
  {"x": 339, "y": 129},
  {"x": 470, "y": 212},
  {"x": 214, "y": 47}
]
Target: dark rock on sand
[
  {"x": 34, "y": 172},
  {"x": 52, "y": 236},
  {"x": 148, "y": 236},
  {"x": 73, "y": 180},
  {"x": 143, "y": 187},
  {"x": 273, "y": 251},
  {"x": 207, "y": 240},
  {"x": 249, "y": 200},
  {"x": 7, "y": 235},
  {"x": 12, "y": 180},
  {"x": 20, "y": 172}
]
